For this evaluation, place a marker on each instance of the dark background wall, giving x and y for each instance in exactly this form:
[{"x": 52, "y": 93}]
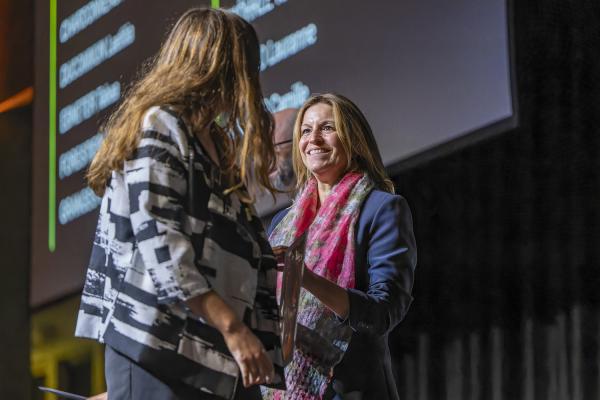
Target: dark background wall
[
  {"x": 507, "y": 286},
  {"x": 16, "y": 64},
  {"x": 506, "y": 297},
  {"x": 15, "y": 178}
]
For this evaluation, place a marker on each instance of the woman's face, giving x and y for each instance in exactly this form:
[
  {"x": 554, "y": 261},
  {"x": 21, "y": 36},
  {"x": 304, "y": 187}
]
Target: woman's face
[{"x": 320, "y": 146}]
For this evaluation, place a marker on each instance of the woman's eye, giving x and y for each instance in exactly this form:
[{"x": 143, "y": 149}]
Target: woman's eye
[
  {"x": 305, "y": 131},
  {"x": 327, "y": 128}
]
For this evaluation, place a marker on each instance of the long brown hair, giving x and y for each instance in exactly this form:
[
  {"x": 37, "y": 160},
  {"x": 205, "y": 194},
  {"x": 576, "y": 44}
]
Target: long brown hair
[
  {"x": 207, "y": 68},
  {"x": 356, "y": 137}
]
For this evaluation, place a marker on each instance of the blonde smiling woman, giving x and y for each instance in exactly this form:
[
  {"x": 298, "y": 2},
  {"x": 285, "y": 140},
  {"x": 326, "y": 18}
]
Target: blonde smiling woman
[{"x": 359, "y": 254}]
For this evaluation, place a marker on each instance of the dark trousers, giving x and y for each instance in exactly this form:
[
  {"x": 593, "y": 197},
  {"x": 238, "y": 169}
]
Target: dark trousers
[{"x": 128, "y": 381}]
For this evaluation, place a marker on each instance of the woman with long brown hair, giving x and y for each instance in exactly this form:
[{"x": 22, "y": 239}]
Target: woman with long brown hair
[{"x": 180, "y": 284}]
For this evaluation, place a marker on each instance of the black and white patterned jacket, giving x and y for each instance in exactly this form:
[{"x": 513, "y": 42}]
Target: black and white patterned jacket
[{"x": 167, "y": 233}]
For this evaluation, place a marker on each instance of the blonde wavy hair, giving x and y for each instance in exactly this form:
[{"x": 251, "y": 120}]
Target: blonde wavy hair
[
  {"x": 207, "y": 69},
  {"x": 355, "y": 135}
]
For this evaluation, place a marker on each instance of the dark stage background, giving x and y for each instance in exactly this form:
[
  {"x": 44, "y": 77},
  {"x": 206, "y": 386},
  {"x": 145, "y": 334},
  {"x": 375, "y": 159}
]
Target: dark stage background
[
  {"x": 507, "y": 285},
  {"x": 432, "y": 74},
  {"x": 507, "y": 290}
]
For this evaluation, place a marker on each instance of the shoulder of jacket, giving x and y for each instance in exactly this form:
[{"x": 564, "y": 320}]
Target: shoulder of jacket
[
  {"x": 156, "y": 114},
  {"x": 164, "y": 121},
  {"x": 379, "y": 197},
  {"x": 376, "y": 202}
]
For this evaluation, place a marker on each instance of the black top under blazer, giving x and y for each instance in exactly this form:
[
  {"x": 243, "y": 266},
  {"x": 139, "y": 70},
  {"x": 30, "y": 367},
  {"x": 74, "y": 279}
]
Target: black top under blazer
[{"x": 385, "y": 260}]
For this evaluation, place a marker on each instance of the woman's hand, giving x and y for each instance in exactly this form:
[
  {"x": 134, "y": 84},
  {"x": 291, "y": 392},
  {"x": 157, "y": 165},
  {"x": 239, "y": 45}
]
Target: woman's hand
[
  {"x": 247, "y": 350},
  {"x": 101, "y": 396},
  {"x": 250, "y": 355}
]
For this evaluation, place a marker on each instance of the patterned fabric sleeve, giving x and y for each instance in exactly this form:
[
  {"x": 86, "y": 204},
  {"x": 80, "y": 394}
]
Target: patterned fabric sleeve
[{"x": 156, "y": 178}]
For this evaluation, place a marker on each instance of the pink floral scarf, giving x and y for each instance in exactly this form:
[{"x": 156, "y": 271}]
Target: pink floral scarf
[{"x": 329, "y": 252}]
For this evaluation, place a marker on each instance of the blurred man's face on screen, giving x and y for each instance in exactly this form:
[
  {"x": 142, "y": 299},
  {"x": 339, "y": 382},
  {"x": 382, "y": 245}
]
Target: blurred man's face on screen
[{"x": 283, "y": 176}]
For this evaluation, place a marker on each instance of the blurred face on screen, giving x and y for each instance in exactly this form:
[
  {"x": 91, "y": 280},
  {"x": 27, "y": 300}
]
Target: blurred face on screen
[
  {"x": 320, "y": 146},
  {"x": 283, "y": 177}
]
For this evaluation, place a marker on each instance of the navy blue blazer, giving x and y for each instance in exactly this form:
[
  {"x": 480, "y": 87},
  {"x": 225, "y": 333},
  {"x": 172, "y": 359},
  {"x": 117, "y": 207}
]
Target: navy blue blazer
[{"x": 386, "y": 256}]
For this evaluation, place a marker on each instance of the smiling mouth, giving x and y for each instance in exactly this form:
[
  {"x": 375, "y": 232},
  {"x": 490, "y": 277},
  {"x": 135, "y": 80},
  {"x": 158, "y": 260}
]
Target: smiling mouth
[{"x": 316, "y": 151}]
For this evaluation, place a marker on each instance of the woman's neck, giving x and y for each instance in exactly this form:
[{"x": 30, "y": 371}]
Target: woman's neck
[
  {"x": 326, "y": 181},
  {"x": 325, "y": 186},
  {"x": 324, "y": 189}
]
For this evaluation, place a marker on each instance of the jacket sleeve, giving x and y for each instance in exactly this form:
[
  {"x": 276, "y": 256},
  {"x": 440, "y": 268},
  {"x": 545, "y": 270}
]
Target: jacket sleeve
[
  {"x": 391, "y": 259},
  {"x": 156, "y": 178}
]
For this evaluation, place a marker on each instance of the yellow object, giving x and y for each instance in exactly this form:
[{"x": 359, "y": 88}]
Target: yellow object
[{"x": 58, "y": 359}]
